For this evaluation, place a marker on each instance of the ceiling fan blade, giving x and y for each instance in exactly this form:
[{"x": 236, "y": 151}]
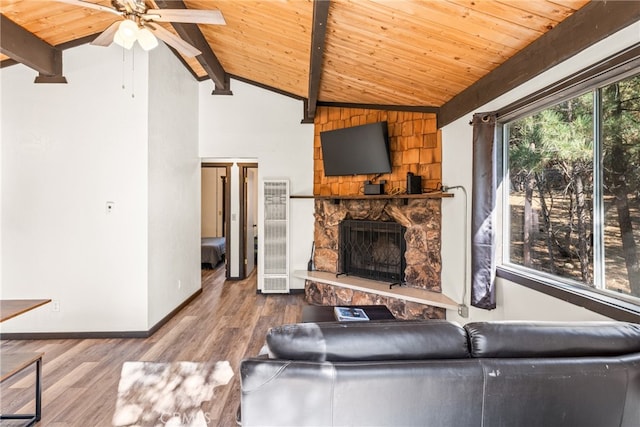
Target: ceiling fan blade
[
  {"x": 132, "y": 3},
  {"x": 174, "y": 41},
  {"x": 106, "y": 37},
  {"x": 90, "y": 5},
  {"x": 192, "y": 16}
]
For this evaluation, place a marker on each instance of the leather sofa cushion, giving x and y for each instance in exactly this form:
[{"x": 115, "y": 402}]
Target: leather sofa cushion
[
  {"x": 396, "y": 393},
  {"x": 367, "y": 341},
  {"x": 552, "y": 339}
]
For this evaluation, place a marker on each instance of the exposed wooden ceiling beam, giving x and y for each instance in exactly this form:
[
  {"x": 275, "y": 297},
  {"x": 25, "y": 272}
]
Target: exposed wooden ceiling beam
[
  {"x": 267, "y": 87},
  {"x": 589, "y": 25},
  {"x": 24, "y": 47},
  {"x": 192, "y": 34},
  {"x": 318, "y": 33},
  {"x": 387, "y": 107}
]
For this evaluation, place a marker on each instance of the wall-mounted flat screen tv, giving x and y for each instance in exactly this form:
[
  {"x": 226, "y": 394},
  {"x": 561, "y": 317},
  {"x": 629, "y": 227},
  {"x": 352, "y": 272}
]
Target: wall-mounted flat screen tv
[{"x": 356, "y": 150}]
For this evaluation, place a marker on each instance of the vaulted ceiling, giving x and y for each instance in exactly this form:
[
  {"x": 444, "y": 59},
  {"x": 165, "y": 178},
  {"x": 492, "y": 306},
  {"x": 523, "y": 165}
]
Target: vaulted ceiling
[{"x": 420, "y": 54}]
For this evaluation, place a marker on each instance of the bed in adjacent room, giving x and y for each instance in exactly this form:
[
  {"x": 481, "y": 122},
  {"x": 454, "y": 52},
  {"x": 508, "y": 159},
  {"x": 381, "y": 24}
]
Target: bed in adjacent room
[{"x": 213, "y": 250}]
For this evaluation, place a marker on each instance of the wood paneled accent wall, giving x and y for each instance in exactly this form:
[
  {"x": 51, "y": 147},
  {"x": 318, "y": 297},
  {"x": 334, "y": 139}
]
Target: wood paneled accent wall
[{"x": 414, "y": 140}]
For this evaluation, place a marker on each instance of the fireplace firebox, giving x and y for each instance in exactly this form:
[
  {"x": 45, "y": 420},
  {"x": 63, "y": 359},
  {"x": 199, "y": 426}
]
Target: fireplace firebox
[{"x": 372, "y": 250}]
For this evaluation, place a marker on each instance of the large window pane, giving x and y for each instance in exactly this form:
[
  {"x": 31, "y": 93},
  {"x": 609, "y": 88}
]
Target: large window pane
[
  {"x": 621, "y": 185},
  {"x": 550, "y": 164}
]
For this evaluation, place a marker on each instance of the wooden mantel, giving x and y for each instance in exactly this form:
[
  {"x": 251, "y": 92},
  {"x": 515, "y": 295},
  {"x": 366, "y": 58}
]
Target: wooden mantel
[{"x": 405, "y": 197}]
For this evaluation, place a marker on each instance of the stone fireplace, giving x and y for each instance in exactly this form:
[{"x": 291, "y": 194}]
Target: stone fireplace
[
  {"x": 420, "y": 221},
  {"x": 415, "y": 144}
]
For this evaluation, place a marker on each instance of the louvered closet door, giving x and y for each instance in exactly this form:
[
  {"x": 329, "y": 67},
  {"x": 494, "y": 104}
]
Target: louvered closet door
[{"x": 276, "y": 236}]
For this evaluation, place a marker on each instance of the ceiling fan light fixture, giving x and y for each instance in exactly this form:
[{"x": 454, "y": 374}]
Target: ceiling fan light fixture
[
  {"x": 146, "y": 39},
  {"x": 128, "y": 30},
  {"x": 121, "y": 41}
]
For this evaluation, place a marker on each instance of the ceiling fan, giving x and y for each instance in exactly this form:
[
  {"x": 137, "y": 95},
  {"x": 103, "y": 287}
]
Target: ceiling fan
[{"x": 140, "y": 23}]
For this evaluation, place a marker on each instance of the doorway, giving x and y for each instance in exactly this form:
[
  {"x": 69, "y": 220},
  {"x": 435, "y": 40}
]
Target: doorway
[
  {"x": 215, "y": 208},
  {"x": 249, "y": 215}
]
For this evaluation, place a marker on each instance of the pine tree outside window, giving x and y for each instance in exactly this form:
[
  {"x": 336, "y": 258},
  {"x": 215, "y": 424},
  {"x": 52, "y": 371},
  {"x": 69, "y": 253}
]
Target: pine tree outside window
[{"x": 572, "y": 190}]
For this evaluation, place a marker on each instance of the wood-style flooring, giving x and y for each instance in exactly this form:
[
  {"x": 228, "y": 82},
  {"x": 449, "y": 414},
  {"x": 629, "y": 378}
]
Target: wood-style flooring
[{"x": 228, "y": 321}]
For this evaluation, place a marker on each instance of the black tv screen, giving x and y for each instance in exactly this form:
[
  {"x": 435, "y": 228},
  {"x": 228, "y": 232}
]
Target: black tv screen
[{"x": 357, "y": 150}]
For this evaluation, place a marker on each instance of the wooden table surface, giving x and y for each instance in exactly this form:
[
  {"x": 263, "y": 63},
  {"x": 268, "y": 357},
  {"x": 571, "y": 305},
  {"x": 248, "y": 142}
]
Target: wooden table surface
[
  {"x": 12, "y": 307},
  {"x": 12, "y": 363}
]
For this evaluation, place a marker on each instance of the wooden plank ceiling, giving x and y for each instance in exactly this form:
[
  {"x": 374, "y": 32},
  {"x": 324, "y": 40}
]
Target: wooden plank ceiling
[{"x": 382, "y": 52}]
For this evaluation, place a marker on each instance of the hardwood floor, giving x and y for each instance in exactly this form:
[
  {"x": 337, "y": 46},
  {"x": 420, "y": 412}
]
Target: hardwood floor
[{"x": 228, "y": 321}]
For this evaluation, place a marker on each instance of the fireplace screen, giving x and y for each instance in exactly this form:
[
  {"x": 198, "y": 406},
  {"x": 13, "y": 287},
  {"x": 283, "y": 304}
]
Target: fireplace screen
[{"x": 373, "y": 250}]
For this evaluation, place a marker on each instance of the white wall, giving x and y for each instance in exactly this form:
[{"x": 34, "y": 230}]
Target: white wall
[
  {"x": 258, "y": 124},
  {"x": 174, "y": 184},
  {"x": 67, "y": 149},
  {"x": 514, "y": 301}
]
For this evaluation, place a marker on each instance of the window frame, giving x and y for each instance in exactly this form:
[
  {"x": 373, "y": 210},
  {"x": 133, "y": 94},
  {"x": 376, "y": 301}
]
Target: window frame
[{"x": 615, "y": 68}]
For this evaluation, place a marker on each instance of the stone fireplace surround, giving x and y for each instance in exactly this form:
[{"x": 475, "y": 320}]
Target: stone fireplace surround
[{"x": 421, "y": 217}]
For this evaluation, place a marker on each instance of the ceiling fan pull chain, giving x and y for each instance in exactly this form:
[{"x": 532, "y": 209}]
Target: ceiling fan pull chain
[
  {"x": 133, "y": 76},
  {"x": 123, "y": 87}
]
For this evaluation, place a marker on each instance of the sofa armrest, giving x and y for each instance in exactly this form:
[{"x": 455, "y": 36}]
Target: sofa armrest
[{"x": 552, "y": 339}]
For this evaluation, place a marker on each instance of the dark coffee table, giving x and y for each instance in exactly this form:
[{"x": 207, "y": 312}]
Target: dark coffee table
[{"x": 324, "y": 313}]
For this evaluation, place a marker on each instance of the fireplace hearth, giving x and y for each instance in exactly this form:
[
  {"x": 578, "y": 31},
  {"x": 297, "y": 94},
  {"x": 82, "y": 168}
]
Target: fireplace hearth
[{"x": 372, "y": 250}]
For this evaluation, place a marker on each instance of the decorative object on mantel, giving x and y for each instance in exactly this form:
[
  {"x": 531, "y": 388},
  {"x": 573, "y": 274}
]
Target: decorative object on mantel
[
  {"x": 167, "y": 394},
  {"x": 414, "y": 183}
]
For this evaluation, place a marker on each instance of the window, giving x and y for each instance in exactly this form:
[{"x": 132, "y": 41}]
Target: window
[{"x": 572, "y": 190}]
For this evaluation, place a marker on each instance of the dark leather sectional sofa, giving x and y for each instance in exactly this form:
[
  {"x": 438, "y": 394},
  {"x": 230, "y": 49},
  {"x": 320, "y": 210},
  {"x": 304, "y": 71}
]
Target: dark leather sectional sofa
[{"x": 437, "y": 373}]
